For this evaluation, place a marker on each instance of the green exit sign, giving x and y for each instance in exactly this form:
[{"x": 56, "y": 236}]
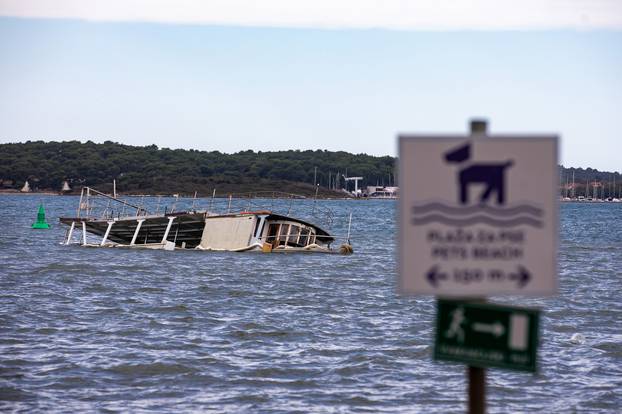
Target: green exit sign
[{"x": 486, "y": 335}]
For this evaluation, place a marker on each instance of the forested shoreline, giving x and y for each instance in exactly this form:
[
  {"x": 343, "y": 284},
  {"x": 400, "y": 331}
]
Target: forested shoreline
[{"x": 153, "y": 170}]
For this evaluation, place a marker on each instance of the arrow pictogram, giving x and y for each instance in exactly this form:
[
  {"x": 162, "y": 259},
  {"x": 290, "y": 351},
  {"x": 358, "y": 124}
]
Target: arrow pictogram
[
  {"x": 522, "y": 276},
  {"x": 495, "y": 329},
  {"x": 435, "y": 276}
]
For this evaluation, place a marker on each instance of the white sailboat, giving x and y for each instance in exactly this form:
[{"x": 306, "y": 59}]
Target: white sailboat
[
  {"x": 65, "y": 187},
  {"x": 25, "y": 188}
]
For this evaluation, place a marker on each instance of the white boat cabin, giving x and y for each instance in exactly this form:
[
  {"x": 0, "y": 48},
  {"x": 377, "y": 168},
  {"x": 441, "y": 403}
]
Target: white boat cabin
[{"x": 262, "y": 230}]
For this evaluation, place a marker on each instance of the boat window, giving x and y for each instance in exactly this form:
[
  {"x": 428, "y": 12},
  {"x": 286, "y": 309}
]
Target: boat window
[
  {"x": 293, "y": 234},
  {"x": 283, "y": 233},
  {"x": 304, "y": 236},
  {"x": 273, "y": 230}
]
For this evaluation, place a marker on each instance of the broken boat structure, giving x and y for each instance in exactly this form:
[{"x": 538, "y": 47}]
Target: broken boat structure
[{"x": 120, "y": 223}]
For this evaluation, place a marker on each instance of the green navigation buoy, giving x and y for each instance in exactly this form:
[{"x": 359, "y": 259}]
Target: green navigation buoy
[{"x": 41, "y": 223}]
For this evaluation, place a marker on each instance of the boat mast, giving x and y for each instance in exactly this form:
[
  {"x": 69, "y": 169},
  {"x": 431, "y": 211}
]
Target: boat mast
[{"x": 566, "y": 187}]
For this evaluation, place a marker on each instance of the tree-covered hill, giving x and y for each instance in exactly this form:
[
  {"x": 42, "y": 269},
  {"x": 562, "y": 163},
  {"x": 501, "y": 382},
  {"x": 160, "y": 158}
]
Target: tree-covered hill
[
  {"x": 161, "y": 170},
  {"x": 153, "y": 170}
]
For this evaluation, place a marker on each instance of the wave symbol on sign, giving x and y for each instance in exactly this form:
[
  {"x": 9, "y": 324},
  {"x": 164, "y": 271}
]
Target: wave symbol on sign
[{"x": 461, "y": 216}]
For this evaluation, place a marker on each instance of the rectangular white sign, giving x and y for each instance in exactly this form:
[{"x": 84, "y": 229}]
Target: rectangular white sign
[{"x": 478, "y": 216}]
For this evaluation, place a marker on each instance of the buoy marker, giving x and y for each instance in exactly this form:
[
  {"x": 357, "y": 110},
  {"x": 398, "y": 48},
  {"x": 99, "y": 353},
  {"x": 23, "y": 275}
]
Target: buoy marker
[{"x": 41, "y": 223}]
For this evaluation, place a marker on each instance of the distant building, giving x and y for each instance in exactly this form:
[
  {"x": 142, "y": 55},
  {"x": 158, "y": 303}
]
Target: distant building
[{"x": 382, "y": 192}]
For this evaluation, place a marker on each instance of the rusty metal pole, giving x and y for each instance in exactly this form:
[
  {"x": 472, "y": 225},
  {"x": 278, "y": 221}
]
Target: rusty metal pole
[
  {"x": 477, "y": 389},
  {"x": 477, "y": 375}
]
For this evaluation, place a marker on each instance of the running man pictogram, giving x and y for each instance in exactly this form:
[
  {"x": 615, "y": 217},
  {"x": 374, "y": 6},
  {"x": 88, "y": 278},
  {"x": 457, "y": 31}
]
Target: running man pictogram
[{"x": 455, "y": 327}]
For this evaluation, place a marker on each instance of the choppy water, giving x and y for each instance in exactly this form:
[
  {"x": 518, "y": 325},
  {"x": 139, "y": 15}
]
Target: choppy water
[{"x": 116, "y": 330}]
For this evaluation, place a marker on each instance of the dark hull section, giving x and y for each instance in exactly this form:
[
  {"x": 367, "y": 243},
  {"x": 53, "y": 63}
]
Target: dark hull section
[{"x": 186, "y": 228}]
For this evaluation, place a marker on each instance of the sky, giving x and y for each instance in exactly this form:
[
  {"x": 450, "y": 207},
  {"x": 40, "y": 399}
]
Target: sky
[{"x": 335, "y": 75}]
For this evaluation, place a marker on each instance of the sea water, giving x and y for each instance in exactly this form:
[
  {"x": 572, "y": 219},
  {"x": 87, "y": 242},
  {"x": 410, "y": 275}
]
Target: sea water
[{"x": 87, "y": 329}]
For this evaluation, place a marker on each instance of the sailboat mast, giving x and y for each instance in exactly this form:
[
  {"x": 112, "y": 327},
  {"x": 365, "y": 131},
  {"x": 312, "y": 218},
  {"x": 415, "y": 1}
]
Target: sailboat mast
[{"x": 566, "y": 187}]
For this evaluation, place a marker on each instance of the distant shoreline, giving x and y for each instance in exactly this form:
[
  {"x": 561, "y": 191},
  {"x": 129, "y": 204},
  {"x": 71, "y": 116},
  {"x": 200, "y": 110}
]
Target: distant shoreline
[
  {"x": 32, "y": 193},
  {"x": 188, "y": 197},
  {"x": 7, "y": 193}
]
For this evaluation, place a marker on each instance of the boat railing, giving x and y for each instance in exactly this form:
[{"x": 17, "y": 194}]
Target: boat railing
[{"x": 95, "y": 204}]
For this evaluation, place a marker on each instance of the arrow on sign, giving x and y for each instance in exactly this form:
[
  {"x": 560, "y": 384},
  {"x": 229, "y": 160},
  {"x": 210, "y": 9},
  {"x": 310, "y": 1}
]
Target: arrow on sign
[
  {"x": 495, "y": 329},
  {"x": 435, "y": 276},
  {"x": 522, "y": 276}
]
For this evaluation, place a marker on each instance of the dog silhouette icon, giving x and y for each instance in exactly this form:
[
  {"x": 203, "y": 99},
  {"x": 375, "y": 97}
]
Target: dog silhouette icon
[{"x": 492, "y": 175}]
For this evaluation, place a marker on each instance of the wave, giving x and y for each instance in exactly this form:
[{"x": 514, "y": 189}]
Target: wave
[
  {"x": 453, "y": 209},
  {"x": 477, "y": 219}
]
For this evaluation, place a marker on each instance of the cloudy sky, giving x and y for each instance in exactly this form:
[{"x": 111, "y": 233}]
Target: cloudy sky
[{"x": 338, "y": 75}]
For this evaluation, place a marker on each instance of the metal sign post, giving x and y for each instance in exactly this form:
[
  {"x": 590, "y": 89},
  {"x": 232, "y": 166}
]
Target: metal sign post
[
  {"x": 478, "y": 217},
  {"x": 477, "y": 389},
  {"x": 476, "y": 375}
]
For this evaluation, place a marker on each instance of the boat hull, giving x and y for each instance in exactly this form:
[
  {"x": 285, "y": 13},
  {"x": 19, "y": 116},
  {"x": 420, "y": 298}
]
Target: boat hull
[{"x": 186, "y": 229}]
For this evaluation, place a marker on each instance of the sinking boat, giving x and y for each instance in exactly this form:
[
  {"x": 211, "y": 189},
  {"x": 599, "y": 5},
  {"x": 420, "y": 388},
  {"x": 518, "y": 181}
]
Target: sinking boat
[{"x": 245, "y": 230}]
